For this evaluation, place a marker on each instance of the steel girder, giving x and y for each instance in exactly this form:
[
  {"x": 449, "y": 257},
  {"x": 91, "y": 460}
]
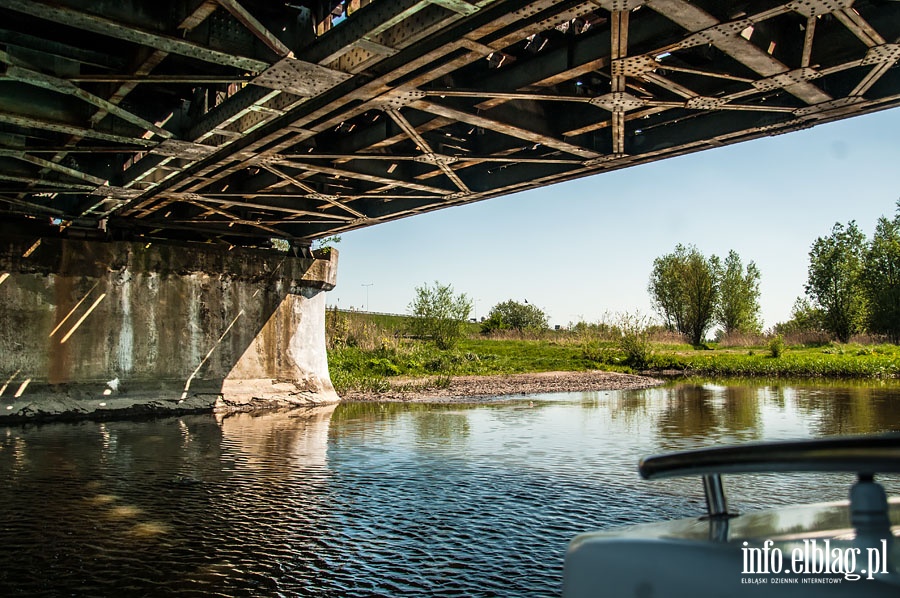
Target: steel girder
[{"x": 244, "y": 121}]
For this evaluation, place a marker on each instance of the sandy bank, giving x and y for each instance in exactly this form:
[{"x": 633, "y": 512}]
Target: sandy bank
[{"x": 463, "y": 387}]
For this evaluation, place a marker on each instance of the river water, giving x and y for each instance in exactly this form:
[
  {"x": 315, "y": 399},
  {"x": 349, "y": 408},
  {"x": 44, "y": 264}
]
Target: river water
[{"x": 384, "y": 499}]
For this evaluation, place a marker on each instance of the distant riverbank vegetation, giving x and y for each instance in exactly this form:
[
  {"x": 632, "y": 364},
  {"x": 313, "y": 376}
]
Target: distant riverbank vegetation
[
  {"x": 375, "y": 353},
  {"x": 846, "y": 326}
]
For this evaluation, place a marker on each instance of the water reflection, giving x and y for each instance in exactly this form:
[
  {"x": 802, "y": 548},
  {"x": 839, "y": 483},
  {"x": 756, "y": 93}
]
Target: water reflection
[
  {"x": 441, "y": 427},
  {"x": 383, "y": 499},
  {"x": 726, "y": 414},
  {"x": 852, "y": 410},
  {"x": 297, "y": 437}
]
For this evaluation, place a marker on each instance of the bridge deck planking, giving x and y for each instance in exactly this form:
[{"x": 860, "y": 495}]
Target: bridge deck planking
[{"x": 236, "y": 123}]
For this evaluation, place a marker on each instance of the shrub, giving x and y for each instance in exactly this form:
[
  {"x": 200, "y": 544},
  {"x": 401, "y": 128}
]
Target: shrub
[
  {"x": 439, "y": 314},
  {"x": 436, "y": 364},
  {"x": 383, "y": 366},
  {"x": 776, "y": 346},
  {"x": 635, "y": 340},
  {"x": 601, "y": 330},
  {"x": 514, "y": 315},
  {"x": 594, "y": 351}
]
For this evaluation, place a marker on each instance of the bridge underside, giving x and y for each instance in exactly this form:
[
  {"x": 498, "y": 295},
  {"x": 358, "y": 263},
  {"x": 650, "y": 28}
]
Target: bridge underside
[{"x": 242, "y": 121}]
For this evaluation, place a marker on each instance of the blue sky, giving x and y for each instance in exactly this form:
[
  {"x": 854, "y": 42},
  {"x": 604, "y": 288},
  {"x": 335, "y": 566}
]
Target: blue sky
[{"x": 584, "y": 249}]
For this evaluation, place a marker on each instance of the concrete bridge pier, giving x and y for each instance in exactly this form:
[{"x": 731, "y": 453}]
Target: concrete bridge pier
[{"x": 109, "y": 328}]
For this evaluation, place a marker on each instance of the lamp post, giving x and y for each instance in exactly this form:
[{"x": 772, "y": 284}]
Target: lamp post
[{"x": 367, "y": 285}]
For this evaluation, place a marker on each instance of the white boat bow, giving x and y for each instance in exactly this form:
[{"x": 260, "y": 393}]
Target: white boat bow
[{"x": 846, "y": 548}]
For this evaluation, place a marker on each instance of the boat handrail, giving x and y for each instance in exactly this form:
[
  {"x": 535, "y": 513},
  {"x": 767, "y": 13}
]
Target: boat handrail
[
  {"x": 862, "y": 455},
  {"x": 858, "y": 454}
]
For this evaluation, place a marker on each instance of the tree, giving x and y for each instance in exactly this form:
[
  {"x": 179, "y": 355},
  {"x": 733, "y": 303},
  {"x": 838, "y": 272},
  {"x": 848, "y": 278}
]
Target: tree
[
  {"x": 881, "y": 278},
  {"x": 805, "y": 317},
  {"x": 684, "y": 289},
  {"x": 512, "y": 315},
  {"x": 738, "y": 309},
  {"x": 439, "y": 314},
  {"x": 665, "y": 289},
  {"x": 834, "y": 280}
]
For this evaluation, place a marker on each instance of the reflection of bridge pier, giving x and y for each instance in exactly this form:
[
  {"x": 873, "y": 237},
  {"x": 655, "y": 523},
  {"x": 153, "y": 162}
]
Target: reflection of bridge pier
[
  {"x": 95, "y": 327},
  {"x": 298, "y": 436}
]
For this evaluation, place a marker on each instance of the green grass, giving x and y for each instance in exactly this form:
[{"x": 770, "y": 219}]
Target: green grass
[
  {"x": 803, "y": 363},
  {"x": 391, "y": 357},
  {"x": 358, "y": 369},
  {"x": 355, "y": 368},
  {"x": 520, "y": 356}
]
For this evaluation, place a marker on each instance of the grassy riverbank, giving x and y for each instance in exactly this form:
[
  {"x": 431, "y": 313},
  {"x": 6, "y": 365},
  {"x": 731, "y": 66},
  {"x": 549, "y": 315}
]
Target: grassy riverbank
[{"x": 369, "y": 355}]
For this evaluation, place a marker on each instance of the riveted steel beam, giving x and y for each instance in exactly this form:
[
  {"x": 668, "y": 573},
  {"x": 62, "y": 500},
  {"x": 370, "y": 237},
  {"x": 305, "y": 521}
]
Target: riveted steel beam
[
  {"x": 107, "y": 27},
  {"x": 58, "y": 127},
  {"x": 240, "y": 13},
  {"x": 405, "y": 106},
  {"x": 75, "y": 174},
  {"x": 504, "y": 128},
  {"x": 428, "y": 154},
  {"x": 58, "y": 50},
  {"x": 31, "y": 77}
]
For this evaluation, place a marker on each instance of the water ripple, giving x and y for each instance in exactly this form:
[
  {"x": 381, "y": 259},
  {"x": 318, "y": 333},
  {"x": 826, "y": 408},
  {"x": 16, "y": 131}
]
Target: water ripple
[{"x": 376, "y": 500}]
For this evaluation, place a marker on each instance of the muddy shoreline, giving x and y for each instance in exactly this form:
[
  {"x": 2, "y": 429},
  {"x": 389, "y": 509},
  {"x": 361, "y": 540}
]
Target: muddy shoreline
[
  {"x": 461, "y": 389},
  {"x": 466, "y": 388}
]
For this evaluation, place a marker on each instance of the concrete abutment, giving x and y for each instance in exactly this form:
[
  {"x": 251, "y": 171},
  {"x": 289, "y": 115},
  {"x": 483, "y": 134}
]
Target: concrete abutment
[{"x": 91, "y": 328}]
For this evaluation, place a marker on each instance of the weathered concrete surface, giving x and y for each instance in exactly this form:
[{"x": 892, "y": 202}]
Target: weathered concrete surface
[{"x": 93, "y": 328}]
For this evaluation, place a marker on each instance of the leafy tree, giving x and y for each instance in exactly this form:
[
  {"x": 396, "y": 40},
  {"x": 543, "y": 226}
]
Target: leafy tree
[
  {"x": 881, "y": 278},
  {"x": 512, "y": 315},
  {"x": 440, "y": 314},
  {"x": 684, "y": 289},
  {"x": 834, "y": 280},
  {"x": 804, "y": 318},
  {"x": 738, "y": 309},
  {"x": 665, "y": 289},
  {"x": 808, "y": 317}
]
